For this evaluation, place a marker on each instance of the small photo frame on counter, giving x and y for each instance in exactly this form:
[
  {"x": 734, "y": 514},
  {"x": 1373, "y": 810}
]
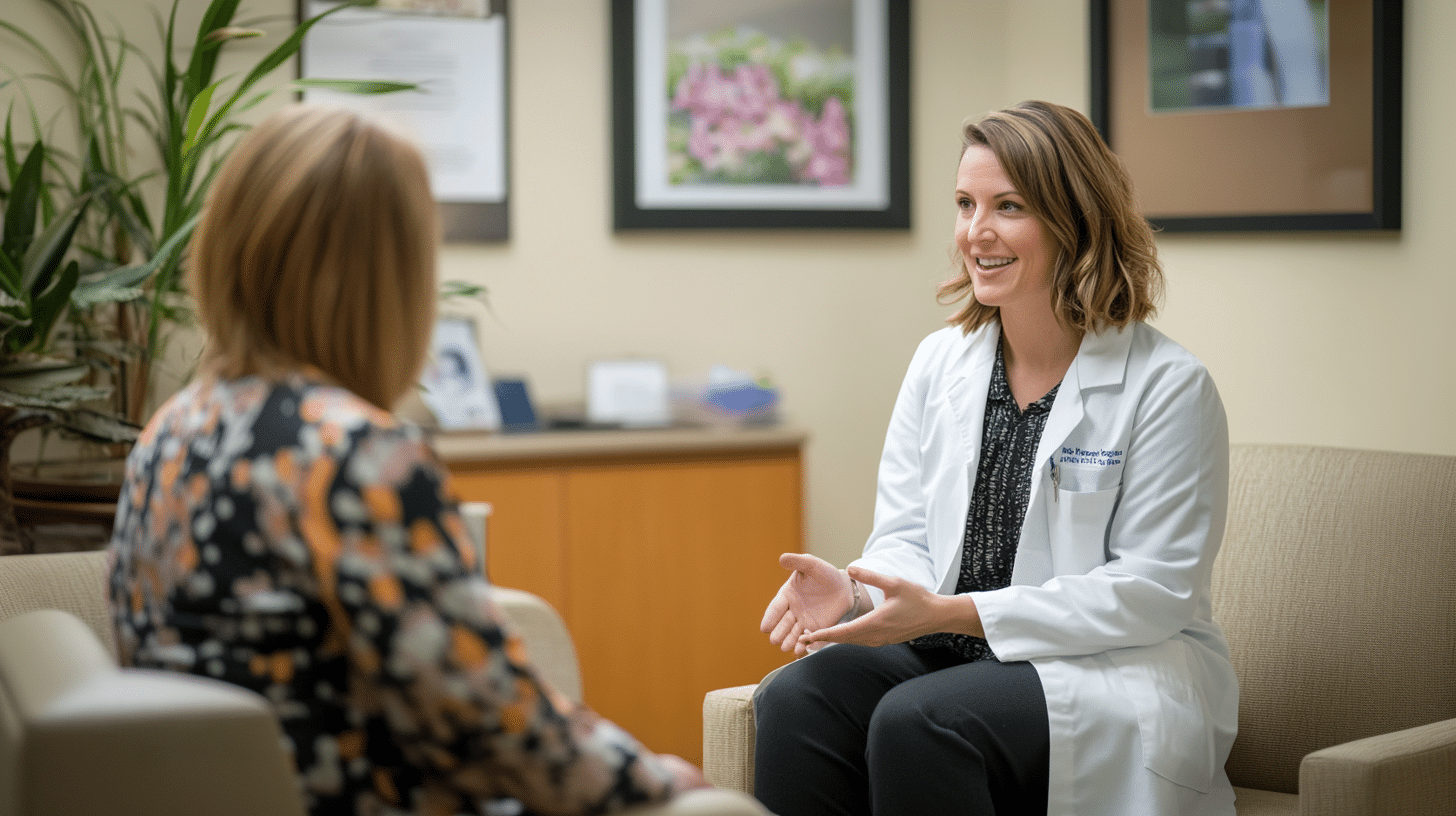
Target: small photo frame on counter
[
  {"x": 518, "y": 414},
  {"x": 455, "y": 385}
]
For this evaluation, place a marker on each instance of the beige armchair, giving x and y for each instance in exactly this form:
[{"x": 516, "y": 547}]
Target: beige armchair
[
  {"x": 79, "y": 735},
  {"x": 1337, "y": 589}
]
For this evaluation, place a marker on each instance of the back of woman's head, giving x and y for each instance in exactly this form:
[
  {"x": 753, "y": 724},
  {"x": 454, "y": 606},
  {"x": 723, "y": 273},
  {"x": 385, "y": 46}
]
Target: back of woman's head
[
  {"x": 317, "y": 248},
  {"x": 1107, "y": 271}
]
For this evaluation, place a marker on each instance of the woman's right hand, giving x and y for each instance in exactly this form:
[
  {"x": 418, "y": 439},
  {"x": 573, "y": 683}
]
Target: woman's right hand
[{"x": 816, "y": 595}]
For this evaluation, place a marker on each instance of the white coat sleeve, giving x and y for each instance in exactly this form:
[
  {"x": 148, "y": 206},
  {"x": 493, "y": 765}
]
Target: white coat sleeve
[
  {"x": 1160, "y": 543},
  {"x": 897, "y": 545}
]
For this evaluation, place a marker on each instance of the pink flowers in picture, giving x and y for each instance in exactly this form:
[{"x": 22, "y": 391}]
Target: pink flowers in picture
[{"x": 744, "y": 108}]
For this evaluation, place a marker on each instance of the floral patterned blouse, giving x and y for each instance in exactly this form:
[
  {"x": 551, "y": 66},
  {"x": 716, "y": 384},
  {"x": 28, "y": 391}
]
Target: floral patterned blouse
[{"x": 291, "y": 538}]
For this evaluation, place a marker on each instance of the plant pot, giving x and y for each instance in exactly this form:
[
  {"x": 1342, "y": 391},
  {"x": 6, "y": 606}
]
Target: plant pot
[{"x": 67, "y": 506}]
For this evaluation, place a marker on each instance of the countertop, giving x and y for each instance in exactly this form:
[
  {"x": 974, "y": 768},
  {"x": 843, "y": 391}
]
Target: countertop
[{"x": 476, "y": 446}]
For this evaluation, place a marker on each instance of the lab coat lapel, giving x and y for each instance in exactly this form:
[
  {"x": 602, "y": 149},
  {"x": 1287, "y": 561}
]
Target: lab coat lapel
[
  {"x": 1101, "y": 361},
  {"x": 1067, "y": 412},
  {"x": 970, "y": 382}
]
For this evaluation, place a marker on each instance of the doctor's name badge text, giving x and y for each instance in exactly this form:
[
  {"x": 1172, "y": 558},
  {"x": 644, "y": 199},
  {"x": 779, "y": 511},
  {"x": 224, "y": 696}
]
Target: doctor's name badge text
[{"x": 1079, "y": 456}]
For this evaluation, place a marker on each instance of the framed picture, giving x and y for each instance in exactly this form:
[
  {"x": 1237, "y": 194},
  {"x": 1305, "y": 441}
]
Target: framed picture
[
  {"x": 454, "y": 384},
  {"x": 455, "y": 51},
  {"x": 769, "y": 114},
  {"x": 1236, "y": 115}
]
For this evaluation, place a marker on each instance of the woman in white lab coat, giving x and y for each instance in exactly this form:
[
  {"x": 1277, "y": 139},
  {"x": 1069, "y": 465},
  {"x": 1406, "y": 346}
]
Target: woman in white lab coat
[{"x": 1030, "y": 628}]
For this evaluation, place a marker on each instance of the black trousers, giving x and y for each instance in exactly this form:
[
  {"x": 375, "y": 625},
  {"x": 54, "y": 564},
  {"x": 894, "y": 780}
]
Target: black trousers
[{"x": 896, "y": 731}]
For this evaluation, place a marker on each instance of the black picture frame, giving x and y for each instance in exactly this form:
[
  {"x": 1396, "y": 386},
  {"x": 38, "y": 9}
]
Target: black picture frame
[
  {"x": 1376, "y": 113},
  {"x": 632, "y": 211}
]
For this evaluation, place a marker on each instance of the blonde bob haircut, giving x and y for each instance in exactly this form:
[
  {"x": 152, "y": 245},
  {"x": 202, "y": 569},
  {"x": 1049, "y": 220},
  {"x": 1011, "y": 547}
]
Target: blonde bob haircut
[
  {"x": 1107, "y": 271},
  {"x": 317, "y": 249}
]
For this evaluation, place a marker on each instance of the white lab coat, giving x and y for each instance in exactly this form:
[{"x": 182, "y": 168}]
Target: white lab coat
[{"x": 1109, "y": 596}]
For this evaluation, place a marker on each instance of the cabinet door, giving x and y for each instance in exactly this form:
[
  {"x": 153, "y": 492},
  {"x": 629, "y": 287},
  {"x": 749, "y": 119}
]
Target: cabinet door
[
  {"x": 669, "y": 567},
  {"x": 525, "y": 544}
]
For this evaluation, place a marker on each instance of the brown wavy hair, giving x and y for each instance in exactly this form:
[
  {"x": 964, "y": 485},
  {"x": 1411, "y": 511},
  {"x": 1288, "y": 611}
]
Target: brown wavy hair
[
  {"x": 317, "y": 248},
  {"x": 1107, "y": 271}
]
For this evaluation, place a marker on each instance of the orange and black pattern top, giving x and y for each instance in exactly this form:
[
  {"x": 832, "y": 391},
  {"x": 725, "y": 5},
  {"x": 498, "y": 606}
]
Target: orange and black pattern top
[{"x": 289, "y": 537}]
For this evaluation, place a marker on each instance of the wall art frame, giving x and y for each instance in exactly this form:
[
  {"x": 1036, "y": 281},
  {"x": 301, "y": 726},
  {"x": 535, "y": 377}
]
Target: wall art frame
[
  {"x": 461, "y": 61},
  {"x": 659, "y": 179},
  {"x": 1332, "y": 166}
]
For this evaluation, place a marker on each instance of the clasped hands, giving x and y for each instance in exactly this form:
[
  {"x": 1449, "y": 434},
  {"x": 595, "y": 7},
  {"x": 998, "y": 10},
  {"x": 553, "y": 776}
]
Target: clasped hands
[{"x": 805, "y": 613}]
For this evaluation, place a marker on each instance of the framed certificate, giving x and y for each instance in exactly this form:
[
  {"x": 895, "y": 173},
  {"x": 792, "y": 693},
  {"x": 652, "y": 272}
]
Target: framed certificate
[{"x": 455, "y": 52}]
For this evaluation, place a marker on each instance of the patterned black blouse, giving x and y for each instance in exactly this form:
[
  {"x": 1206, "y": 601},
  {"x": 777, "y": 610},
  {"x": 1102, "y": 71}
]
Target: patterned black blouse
[{"x": 998, "y": 501}]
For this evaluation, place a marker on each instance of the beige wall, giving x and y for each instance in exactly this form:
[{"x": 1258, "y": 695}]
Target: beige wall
[
  {"x": 1321, "y": 339},
  {"x": 1325, "y": 339}
]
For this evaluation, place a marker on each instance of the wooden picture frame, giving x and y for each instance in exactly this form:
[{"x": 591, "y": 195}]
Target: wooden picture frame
[
  {"x": 1331, "y": 164},
  {"x": 784, "y": 150}
]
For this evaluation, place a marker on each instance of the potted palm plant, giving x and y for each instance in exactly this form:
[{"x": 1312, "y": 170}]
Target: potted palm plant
[
  {"x": 90, "y": 312},
  {"x": 42, "y": 375},
  {"x": 188, "y": 116}
]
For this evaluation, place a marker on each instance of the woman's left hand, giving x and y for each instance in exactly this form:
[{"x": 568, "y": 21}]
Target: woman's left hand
[{"x": 909, "y": 611}]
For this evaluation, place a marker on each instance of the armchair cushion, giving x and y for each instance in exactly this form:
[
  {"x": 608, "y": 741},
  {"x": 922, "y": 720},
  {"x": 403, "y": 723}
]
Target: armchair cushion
[
  {"x": 1334, "y": 590},
  {"x": 1254, "y": 802}
]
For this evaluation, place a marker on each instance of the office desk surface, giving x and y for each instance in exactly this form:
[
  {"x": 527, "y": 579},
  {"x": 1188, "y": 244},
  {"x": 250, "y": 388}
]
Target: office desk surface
[{"x": 465, "y": 446}]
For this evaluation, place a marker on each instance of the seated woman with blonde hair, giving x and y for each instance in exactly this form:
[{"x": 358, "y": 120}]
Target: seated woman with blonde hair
[{"x": 281, "y": 530}]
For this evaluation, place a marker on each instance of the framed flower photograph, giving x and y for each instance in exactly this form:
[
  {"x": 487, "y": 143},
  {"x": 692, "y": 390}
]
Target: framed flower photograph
[{"x": 761, "y": 114}]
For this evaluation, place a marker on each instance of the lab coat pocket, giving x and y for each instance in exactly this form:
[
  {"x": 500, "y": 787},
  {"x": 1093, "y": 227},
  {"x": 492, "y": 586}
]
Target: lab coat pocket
[
  {"x": 1172, "y": 716},
  {"x": 1072, "y": 478},
  {"x": 1077, "y": 519}
]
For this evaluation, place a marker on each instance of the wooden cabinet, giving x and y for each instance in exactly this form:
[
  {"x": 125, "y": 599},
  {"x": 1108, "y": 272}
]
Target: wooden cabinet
[
  {"x": 659, "y": 548},
  {"x": 526, "y": 540}
]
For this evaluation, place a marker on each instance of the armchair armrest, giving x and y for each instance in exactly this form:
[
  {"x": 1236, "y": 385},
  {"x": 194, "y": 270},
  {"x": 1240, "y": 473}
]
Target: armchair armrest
[
  {"x": 552, "y": 651},
  {"x": 1403, "y": 773},
  {"x": 79, "y": 735},
  {"x": 728, "y": 734}
]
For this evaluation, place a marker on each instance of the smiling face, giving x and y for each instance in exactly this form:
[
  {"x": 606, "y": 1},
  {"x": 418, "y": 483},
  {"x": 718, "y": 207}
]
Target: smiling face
[{"x": 1008, "y": 252}]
